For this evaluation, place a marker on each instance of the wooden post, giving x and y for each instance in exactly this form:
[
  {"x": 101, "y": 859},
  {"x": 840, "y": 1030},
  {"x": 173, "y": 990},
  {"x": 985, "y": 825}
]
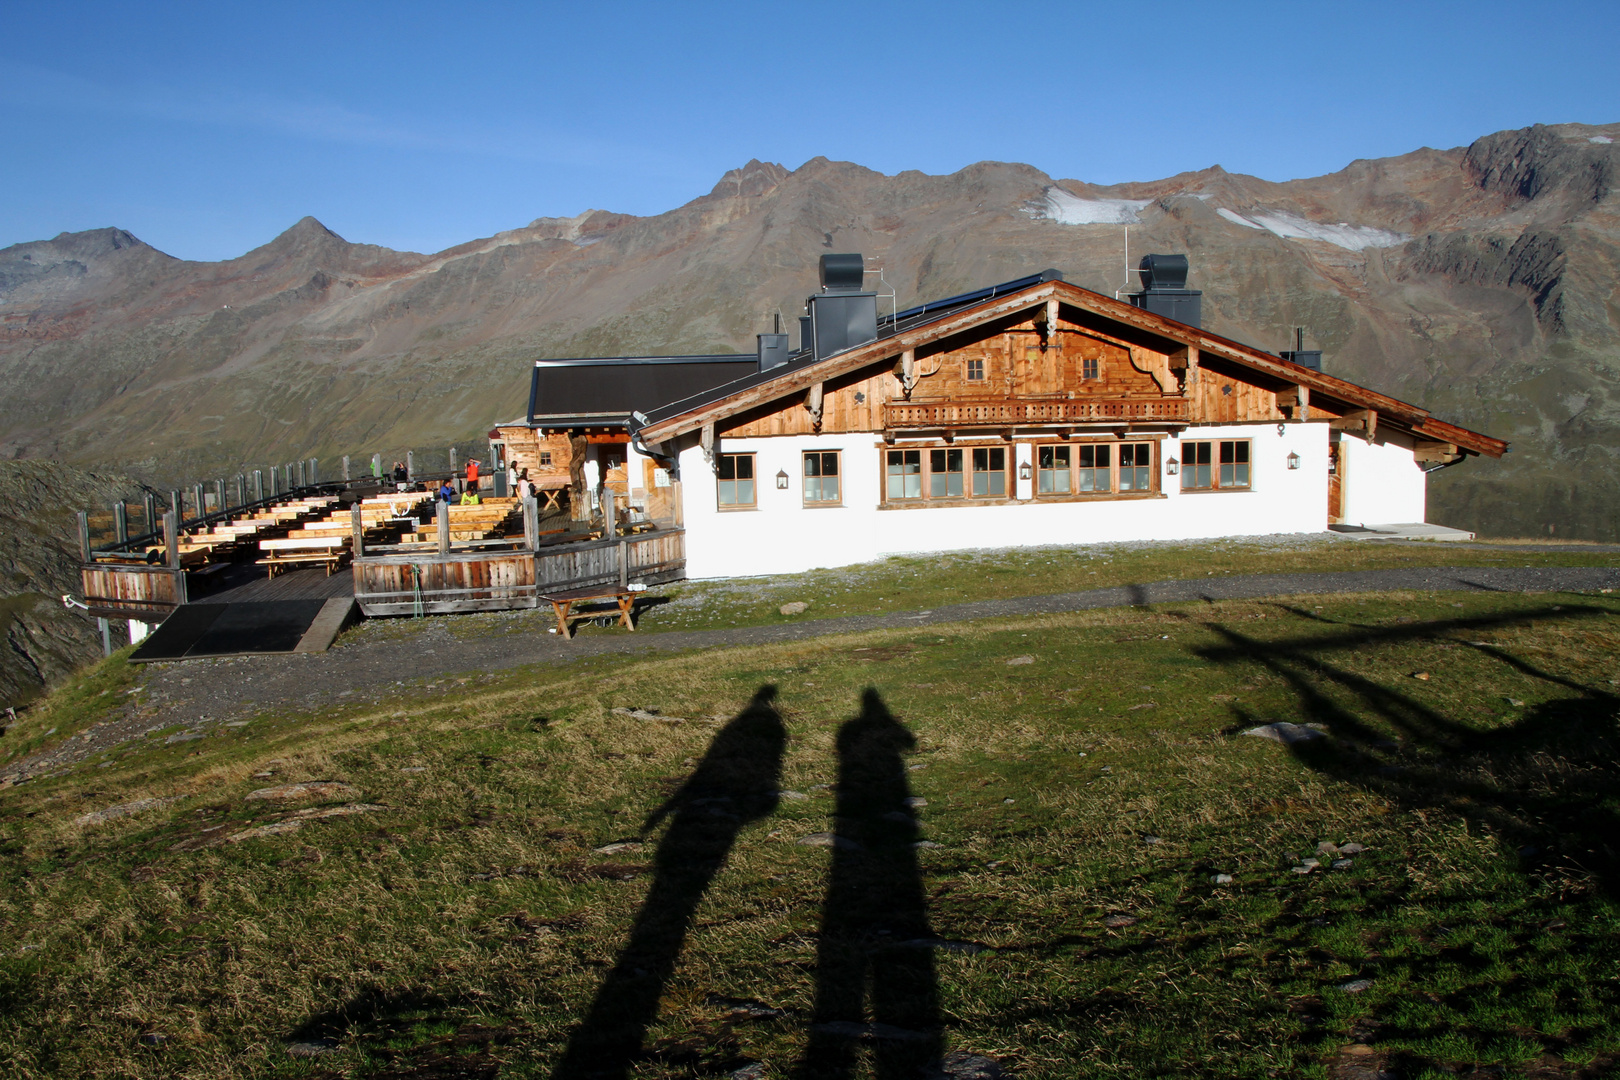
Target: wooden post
[
  {"x": 106, "y": 636},
  {"x": 345, "y": 468},
  {"x": 200, "y": 509},
  {"x": 624, "y": 563},
  {"x": 376, "y": 466},
  {"x": 314, "y": 470},
  {"x": 302, "y": 480},
  {"x": 258, "y": 485},
  {"x": 219, "y": 495},
  {"x": 452, "y": 461},
  {"x": 149, "y": 506},
  {"x": 84, "y": 536},
  {"x": 531, "y": 523},
  {"x": 176, "y": 506},
  {"x": 241, "y": 490},
  {"x": 410, "y": 466},
  {"x": 357, "y": 527},
  {"x": 444, "y": 527},
  {"x": 171, "y": 539},
  {"x": 610, "y": 520},
  {"x": 121, "y": 521}
]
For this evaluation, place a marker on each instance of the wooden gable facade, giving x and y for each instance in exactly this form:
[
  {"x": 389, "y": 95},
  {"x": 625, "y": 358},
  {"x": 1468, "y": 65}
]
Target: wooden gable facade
[{"x": 1054, "y": 359}]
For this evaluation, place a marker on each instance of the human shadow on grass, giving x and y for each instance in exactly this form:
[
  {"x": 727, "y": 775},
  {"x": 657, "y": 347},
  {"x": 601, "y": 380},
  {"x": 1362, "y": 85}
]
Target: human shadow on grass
[
  {"x": 735, "y": 783},
  {"x": 1544, "y": 782},
  {"x": 875, "y": 955}
]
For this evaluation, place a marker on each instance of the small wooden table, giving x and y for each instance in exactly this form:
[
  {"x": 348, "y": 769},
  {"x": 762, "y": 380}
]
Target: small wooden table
[{"x": 563, "y": 602}]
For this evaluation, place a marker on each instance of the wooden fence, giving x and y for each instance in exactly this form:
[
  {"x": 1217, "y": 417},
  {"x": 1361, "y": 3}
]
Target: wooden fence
[
  {"x": 430, "y": 583},
  {"x": 132, "y": 590}
]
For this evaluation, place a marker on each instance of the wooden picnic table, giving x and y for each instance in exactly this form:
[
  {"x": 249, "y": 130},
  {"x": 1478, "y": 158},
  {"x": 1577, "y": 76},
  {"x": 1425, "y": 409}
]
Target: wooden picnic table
[{"x": 563, "y": 602}]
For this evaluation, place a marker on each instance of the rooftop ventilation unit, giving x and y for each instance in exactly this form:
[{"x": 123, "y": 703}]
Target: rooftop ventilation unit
[
  {"x": 1299, "y": 354},
  {"x": 773, "y": 348},
  {"x": 1165, "y": 292},
  {"x": 841, "y": 315}
]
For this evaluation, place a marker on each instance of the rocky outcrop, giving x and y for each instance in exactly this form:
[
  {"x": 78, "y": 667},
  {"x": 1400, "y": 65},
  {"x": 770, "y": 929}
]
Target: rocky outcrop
[{"x": 1540, "y": 161}]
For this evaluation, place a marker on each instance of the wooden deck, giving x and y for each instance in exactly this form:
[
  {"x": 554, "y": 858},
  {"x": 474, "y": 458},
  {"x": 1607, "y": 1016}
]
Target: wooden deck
[{"x": 310, "y": 583}]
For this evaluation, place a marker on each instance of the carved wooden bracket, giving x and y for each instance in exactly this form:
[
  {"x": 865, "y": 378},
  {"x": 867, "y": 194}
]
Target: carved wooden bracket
[
  {"x": 1362, "y": 420},
  {"x": 1184, "y": 364},
  {"x": 813, "y": 403},
  {"x": 706, "y": 440},
  {"x": 907, "y": 370},
  {"x": 1297, "y": 399}
]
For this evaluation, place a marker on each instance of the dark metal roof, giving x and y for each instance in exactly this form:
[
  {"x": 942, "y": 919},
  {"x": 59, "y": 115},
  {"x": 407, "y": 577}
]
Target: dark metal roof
[{"x": 603, "y": 391}]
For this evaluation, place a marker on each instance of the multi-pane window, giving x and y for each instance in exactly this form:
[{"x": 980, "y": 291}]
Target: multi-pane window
[
  {"x": 1100, "y": 468},
  {"x": 1208, "y": 466},
  {"x": 1088, "y": 367},
  {"x": 821, "y": 478},
  {"x": 1135, "y": 467},
  {"x": 903, "y": 479},
  {"x": 1053, "y": 470},
  {"x": 545, "y": 457},
  {"x": 945, "y": 474},
  {"x": 736, "y": 477},
  {"x": 989, "y": 471},
  {"x": 975, "y": 370},
  {"x": 1096, "y": 473}
]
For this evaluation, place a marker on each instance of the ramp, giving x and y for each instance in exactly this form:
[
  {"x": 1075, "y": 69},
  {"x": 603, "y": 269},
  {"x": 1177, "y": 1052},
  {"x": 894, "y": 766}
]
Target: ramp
[{"x": 247, "y": 628}]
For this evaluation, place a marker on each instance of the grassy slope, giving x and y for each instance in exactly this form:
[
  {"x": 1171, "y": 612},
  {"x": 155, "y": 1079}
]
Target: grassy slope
[{"x": 471, "y": 922}]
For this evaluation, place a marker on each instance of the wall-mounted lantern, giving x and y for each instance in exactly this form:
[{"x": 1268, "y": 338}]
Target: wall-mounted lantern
[
  {"x": 1293, "y": 461},
  {"x": 1172, "y": 466},
  {"x": 1023, "y": 471},
  {"x": 781, "y": 480}
]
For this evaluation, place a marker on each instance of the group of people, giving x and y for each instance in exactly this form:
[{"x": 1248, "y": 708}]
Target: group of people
[{"x": 518, "y": 483}]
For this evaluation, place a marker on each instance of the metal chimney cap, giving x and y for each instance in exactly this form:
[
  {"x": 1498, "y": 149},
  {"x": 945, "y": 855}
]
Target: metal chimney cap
[
  {"x": 842, "y": 273},
  {"x": 1164, "y": 271}
]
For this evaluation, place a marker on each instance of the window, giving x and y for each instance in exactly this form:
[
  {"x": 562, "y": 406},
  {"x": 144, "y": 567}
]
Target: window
[
  {"x": 736, "y": 475},
  {"x": 945, "y": 474},
  {"x": 1088, "y": 367},
  {"x": 545, "y": 457},
  {"x": 821, "y": 478},
  {"x": 1100, "y": 468},
  {"x": 1053, "y": 470},
  {"x": 1095, "y": 471},
  {"x": 989, "y": 471},
  {"x": 975, "y": 370},
  {"x": 1210, "y": 466},
  {"x": 1136, "y": 467},
  {"x": 904, "y": 474}
]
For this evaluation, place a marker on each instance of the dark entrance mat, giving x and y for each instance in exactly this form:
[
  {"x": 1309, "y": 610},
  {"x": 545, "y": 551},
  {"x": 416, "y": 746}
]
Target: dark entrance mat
[{"x": 272, "y": 626}]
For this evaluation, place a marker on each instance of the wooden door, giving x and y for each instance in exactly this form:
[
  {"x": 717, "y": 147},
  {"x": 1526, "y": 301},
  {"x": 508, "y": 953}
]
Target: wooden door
[{"x": 1335, "y": 483}]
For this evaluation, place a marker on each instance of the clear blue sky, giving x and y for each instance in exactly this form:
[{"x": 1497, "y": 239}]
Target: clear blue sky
[{"x": 206, "y": 129}]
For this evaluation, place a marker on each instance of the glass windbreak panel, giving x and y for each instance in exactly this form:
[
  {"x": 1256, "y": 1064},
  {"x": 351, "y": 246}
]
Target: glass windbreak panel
[
  {"x": 1235, "y": 464},
  {"x": 736, "y": 477},
  {"x": 1053, "y": 470},
  {"x": 1095, "y": 461},
  {"x": 944, "y": 474},
  {"x": 990, "y": 471},
  {"x": 1195, "y": 466},
  {"x": 904, "y": 474},
  {"x": 1135, "y": 467},
  {"x": 821, "y": 476}
]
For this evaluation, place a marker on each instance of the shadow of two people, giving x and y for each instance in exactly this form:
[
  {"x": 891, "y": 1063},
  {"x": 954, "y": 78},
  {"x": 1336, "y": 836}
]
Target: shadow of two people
[{"x": 873, "y": 920}]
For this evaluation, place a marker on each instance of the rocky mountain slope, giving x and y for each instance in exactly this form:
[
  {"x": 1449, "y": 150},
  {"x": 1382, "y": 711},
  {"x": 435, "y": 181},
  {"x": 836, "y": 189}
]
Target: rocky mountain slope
[
  {"x": 1479, "y": 282},
  {"x": 43, "y": 641}
]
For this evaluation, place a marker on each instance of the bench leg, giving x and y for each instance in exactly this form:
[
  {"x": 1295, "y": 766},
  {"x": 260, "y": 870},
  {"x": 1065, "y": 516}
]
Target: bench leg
[
  {"x": 627, "y": 604},
  {"x": 561, "y": 608}
]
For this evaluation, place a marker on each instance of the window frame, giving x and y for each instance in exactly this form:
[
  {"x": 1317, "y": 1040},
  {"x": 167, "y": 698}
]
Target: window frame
[
  {"x": 974, "y": 364},
  {"x": 926, "y": 474},
  {"x": 820, "y": 477},
  {"x": 1214, "y": 452},
  {"x": 753, "y": 480},
  {"x": 1115, "y": 452}
]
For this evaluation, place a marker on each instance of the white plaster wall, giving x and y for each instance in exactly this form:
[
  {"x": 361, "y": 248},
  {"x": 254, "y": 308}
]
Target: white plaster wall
[
  {"x": 1383, "y": 485},
  {"x": 784, "y": 536}
]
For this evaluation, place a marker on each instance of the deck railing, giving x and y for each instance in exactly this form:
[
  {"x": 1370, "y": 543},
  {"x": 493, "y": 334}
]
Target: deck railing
[{"x": 1011, "y": 412}]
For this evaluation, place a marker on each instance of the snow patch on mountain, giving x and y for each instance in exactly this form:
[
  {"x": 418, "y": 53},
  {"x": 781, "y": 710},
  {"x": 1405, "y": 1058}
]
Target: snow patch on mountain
[
  {"x": 1601, "y": 139},
  {"x": 1293, "y": 227},
  {"x": 1068, "y": 209}
]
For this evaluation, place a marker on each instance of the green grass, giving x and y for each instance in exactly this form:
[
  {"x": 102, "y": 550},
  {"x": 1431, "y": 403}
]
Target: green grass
[
  {"x": 466, "y": 929},
  {"x": 913, "y": 583}
]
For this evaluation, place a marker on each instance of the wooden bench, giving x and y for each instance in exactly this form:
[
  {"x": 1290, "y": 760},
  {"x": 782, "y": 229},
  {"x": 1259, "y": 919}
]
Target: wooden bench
[
  {"x": 330, "y": 551},
  {"x": 563, "y": 603}
]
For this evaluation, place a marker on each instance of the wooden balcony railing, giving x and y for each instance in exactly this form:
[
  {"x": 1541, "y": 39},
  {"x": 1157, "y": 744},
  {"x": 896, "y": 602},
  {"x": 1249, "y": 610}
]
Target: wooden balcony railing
[{"x": 1013, "y": 412}]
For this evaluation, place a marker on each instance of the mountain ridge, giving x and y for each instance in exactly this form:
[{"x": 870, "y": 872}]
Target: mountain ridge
[{"x": 1477, "y": 282}]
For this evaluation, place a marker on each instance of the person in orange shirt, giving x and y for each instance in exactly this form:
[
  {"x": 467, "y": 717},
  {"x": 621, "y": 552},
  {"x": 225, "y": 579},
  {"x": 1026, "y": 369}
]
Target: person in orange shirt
[{"x": 472, "y": 475}]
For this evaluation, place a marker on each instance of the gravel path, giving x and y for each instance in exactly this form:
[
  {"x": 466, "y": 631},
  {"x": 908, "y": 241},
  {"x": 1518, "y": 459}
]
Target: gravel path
[{"x": 202, "y": 694}]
